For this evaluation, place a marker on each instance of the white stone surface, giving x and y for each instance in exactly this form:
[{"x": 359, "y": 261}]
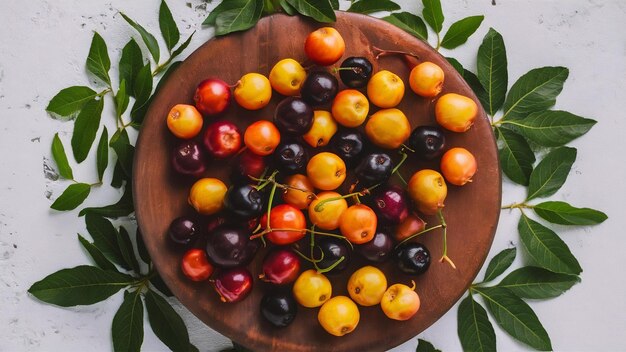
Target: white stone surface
[{"x": 44, "y": 44}]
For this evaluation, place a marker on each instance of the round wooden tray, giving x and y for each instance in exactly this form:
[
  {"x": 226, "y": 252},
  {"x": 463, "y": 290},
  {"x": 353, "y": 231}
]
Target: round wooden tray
[{"x": 160, "y": 196}]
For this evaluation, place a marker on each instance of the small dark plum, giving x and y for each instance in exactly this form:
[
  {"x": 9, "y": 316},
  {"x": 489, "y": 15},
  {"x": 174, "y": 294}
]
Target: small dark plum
[
  {"x": 279, "y": 309},
  {"x": 280, "y": 266},
  {"x": 331, "y": 250},
  {"x": 391, "y": 204},
  {"x": 379, "y": 249},
  {"x": 412, "y": 258},
  {"x": 319, "y": 88},
  {"x": 189, "y": 159},
  {"x": 247, "y": 164},
  {"x": 348, "y": 144},
  {"x": 355, "y": 71},
  {"x": 233, "y": 285},
  {"x": 373, "y": 169},
  {"x": 291, "y": 158},
  {"x": 182, "y": 230},
  {"x": 427, "y": 141},
  {"x": 293, "y": 116},
  {"x": 244, "y": 201},
  {"x": 229, "y": 246}
]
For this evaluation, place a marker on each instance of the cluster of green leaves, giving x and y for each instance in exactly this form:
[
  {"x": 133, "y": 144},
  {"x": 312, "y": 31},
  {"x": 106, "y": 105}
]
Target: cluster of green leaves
[{"x": 117, "y": 266}]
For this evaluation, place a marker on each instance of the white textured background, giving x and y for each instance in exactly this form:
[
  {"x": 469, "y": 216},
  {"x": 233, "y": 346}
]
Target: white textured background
[{"x": 43, "y": 46}]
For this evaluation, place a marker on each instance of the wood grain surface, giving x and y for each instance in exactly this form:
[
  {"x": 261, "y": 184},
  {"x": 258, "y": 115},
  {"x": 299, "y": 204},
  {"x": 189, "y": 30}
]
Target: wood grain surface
[{"x": 160, "y": 196}]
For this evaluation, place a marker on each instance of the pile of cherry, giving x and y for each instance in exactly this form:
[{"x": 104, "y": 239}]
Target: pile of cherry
[{"x": 315, "y": 172}]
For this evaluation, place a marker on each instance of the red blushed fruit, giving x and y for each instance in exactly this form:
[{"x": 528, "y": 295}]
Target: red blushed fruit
[
  {"x": 248, "y": 164},
  {"x": 222, "y": 139},
  {"x": 289, "y": 222},
  {"x": 324, "y": 46},
  {"x": 281, "y": 266},
  {"x": 212, "y": 96},
  {"x": 195, "y": 265},
  {"x": 233, "y": 285}
]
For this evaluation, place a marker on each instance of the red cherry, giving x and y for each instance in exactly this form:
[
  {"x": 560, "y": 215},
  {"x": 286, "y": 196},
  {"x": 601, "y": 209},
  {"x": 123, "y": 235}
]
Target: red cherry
[
  {"x": 195, "y": 265},
  {"x": 222, "y": 139},
  {"x": 212, "y": 96},
  {"x": 281, "y": 266},
  {"x": 233, "y": 285}
]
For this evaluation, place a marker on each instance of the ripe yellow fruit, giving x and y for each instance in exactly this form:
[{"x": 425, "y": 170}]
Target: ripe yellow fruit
[
  {"x": 207, "y": 195},
  {"x": 287, "y": 76},
  {"x": 455, "y": 112},
  {"x": 339, "y": 316},
  {"x": 312, "y": 289},
  {"x": 253, "y": 91},
  {"x": 385, "y": 89},
  {"x": 367, "y": 285},
  {"x": 388, "y": 128},
  {"x": 428, "y": 189}
]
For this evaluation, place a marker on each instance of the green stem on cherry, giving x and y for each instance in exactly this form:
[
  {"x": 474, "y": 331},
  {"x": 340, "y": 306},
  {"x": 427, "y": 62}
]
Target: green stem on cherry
[
  {"x": 419, "y": 233},
  {"x": 445, "y": 257},
  {"x": 320, "y": 206}
]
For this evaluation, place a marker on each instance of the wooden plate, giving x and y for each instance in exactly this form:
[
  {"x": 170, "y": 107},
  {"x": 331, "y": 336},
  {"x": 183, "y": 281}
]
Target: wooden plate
[{"x": 160, "y": 196}]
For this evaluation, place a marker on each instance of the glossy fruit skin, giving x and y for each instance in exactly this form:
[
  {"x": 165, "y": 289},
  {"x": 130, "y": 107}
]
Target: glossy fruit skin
[
  {"x": 385, "y": 89},
  {"x": 233, "y": 285},
  {"x": 426, "y": 79},
  {"x": 327, "y": 218},
  {"x": 261, "y": 137},
  {"x": 279, "y": 309},
  {"x": 183, "y": 230},
  {"x": 322, "y": 130},
  {"x": 285, "y": 216},
  {"x": 212, "y": 96},
  {"x": 427, "y": 141},
  {"x": 379, "y": 249},
  {"x": 303, "y": 195},
  {"x": 281, "y": 266},
  {"x": 409, "y": 226},
  {"x": 189, "y": 159},
  {"x": 207, "y": 195},
  {"x": 290, "y": 158},
  {"x": 412, "y": 258},
  {"x": 356, "y": 71},
  {"x": 229, "y": 246},
  {"x": 332, "y": 250},
  {"x": 367, "y": 285},
  {"x": 455, "y": 112},
  {"x": 324, "y": 46},
  {"x": 349, "y": 145},
  {"x": 458, "y": 166},
  {"x": 350, "y": 108},
  {"x": 400, "y": 302},
  {"x": 247, "y": 164},
  {"x": 293, "y": 116},
  {"x": 391, "y": 204},
  {"x": 428, "y": 190},
  {"x": 222, "y": 139},
  {"x": 253, "y": 91},
  {"x": 358, "y": 223},
  {"x": 244, "y": 201},
  {"x": 312, "y": 289},
  {"x": 286, "y": 77},
  {"x": 319, "y": 88},
  {"x": 184, "y": 121},
  {"x": 195, "y": 265},
  {"x": 339, "y": 316},
  {"x": 388, "y": 128},
  {"x": 373, "y": 169},
  {"x": 326, "y": 171}
]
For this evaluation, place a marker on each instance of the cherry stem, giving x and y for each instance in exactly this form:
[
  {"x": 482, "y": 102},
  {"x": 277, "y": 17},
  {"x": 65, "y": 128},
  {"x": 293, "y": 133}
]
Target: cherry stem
[
  {"x": 384, "y": 52},
  {"x": 311, "y": 259},
  {"x": 419, "y": 233},
  {"x": 404, "y": 156},
  {"x": 312, "y": 243},
  {"x": 320, "y": 206},
  {"x": 265, "y": 181},
  {"x": 330, "y": 267},
  {"x": 445, "y": 257},
  {"x": 356, "y": 70},
  {"x": 270, "y": 201}
]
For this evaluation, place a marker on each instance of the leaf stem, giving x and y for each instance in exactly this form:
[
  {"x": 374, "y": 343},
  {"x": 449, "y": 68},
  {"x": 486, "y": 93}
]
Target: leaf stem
[{"x": 521, "y": 205}]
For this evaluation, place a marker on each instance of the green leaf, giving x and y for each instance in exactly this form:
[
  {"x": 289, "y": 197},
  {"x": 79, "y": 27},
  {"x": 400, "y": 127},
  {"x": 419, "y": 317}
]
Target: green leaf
[
  {"x": 223, "y": 7},
  {"x": 118, "y": 175},
  {"x": 168, "y": 27},
  {"x": 239, "y": 18},
  {"x": 538, "y": 283},
  {"x": 492, "y": 70},
  {"x": 69, "y": 101},
  {"x": 167, "y": 325},
  {"x": 474, "y": 83},
  {"x": 148, "y": 39},
  {"x": 58, "y": 153},
  {"x": 81, "y": 285},
  {"x": 73, "y": 196},
  {"x": 551, "y": 172},
  {"x": 551, "y": 128},
  {"x": 535, "y": 91},
  {"x": 546, "y": 248},
  {"x": 85, "y": 129},
  {"x": 456, "y": 64},
  {"x": 500, "y": 263},
  {"x": 319, "y": 10},
  {"x": 460, "y": 31},
  {"x": 564, "y": 214},
  {"x": 515, "y": 317},
  {"x": 127, "y": 328},
  {"x": 409, "y": 23},
  {"x": 516, "y": 157},
  {"x": 127, "y": 250},
  {"x": 425, "y": 346},
  {"x": 104, "y": 237},
  {"x": 433, "y": 15},
  {"x": 474, "y": 328},
  {"x": 370, "y": 6},
  {"x": 123, "y": 207},
  {"x": 142, "y": 91},
  {"x": 130, "y": 64},
  {"x": 102, "y": 154},
  {"x": 141, "y": 248},
  {"x": 334, "y": 4},
  {"x": 160, "y": 285},
  {"x": 288, "y": 8},
  {"x": 98, "y": 61},
  {"x": 182, "y": 47},
  {"x": 101, "y": 261},
  {"x": 121, "y": 100},
  {"x": 124, "y": 150}
]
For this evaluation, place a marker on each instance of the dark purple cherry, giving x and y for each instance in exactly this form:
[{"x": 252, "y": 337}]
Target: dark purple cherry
[
  {"x": 373, "y": 169},
  {"x": 244, "y": 201},
  {"x": 391, "y": 204},
  {"x": 355, "y": 71},
  {"x": 233, "y": 285},
  {"x": 291, "y": 158},
  {"x": 319, "y": 88},
  {"x": 280, "y": 266},
  {"x": 377, "y": 250},
  {"x": 279, "y": 309},
  {"x": 188, "y": 158},
  {"x": 332, "y": 249},
  {"x": 427, "y": 141},
  {"x": 229, "y": 246},
  {"x": 182, "y": 230},
  {"x": 412, "y": 258},
  {"x": 293, "y": 116},
  {"x": 348, "y": 144}
]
